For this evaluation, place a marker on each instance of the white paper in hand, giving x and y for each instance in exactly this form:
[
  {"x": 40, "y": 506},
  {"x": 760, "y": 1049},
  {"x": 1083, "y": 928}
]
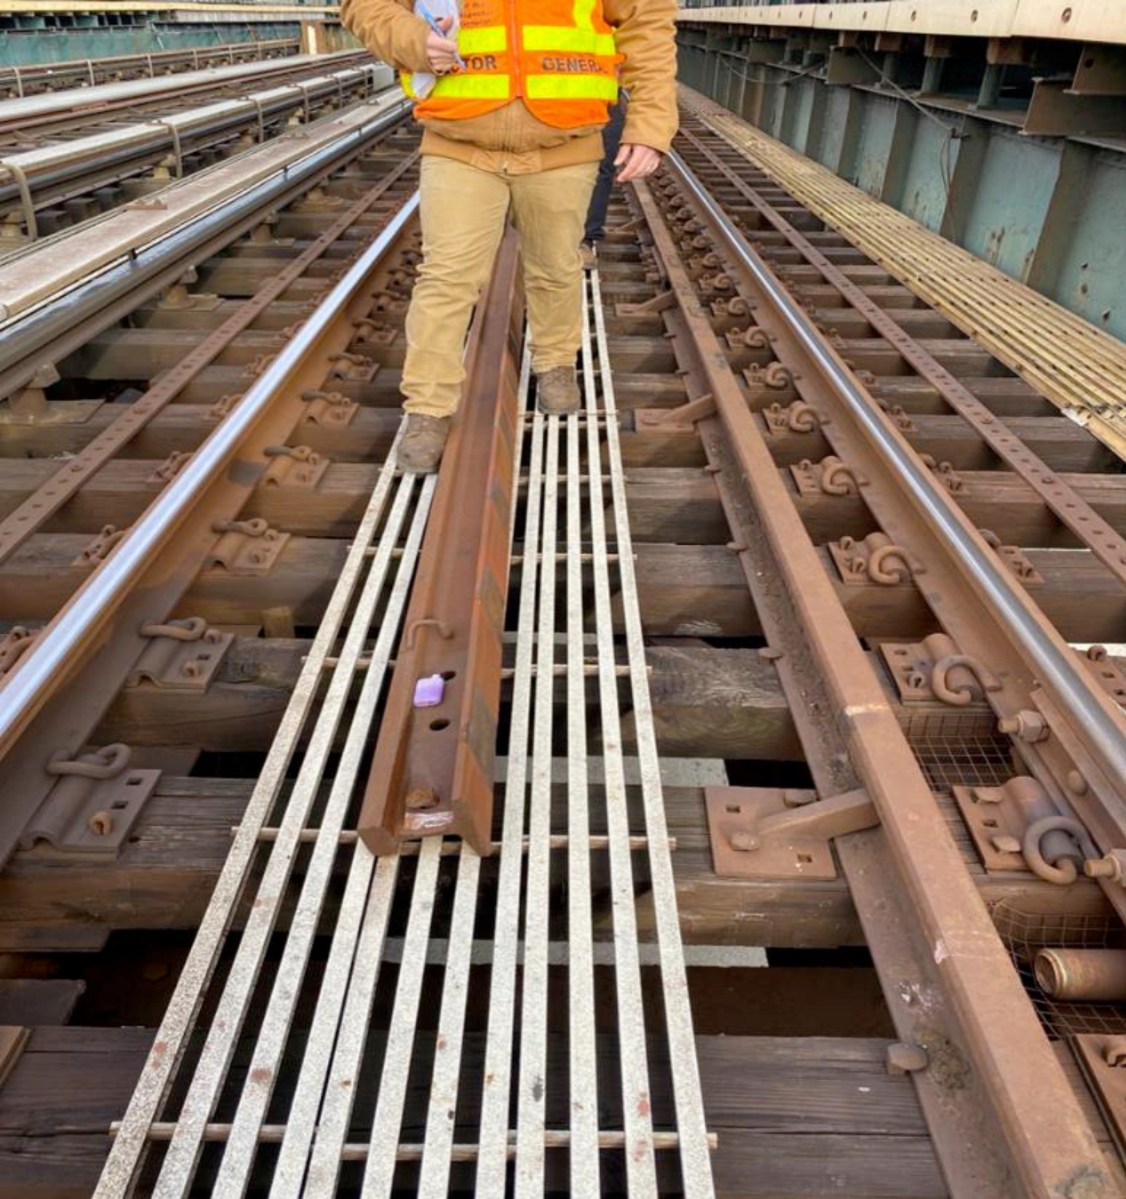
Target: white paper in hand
[{"x": 434, "y": 13}]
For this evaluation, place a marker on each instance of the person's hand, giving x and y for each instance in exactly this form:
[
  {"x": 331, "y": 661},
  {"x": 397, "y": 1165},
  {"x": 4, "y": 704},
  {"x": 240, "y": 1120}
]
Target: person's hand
[
  {"x": 636, "y": 162},
  {"x": 441, "y": 53}
]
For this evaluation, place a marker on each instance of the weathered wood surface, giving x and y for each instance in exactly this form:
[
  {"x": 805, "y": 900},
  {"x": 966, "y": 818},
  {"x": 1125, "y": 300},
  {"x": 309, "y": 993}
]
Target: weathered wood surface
[
  {"x": 669, "y": 507},
  {"x": 165, "y": 875},
  {"x": 795, "y": 1117},
  {"x": 709, "y": 703},
  {"x": 38, "y": 1001}
]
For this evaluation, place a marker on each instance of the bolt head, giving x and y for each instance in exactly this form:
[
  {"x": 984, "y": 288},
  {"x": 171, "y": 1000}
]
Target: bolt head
[
  {"x": 744, "y": 842},
  {"x": 904, "y": 1057}
]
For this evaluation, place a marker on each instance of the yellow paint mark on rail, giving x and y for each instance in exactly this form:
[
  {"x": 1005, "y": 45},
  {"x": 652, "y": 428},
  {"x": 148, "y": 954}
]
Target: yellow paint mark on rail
[{"x": 1077, "y": 366}]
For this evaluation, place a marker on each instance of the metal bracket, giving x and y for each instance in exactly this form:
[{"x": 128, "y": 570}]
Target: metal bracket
[
  {"x": 774, "y": 376},
  {"x": 734, "y": 306},
  {"x": 945, "y": 473},
  {"x": 182, "y": 655},
  {"x": 329, "y": 408},
  {"x": 94, "y": 805},
  {"x": 797, "y": 417},
  {"x": 246, "y": 547},
  {"x": 29, "y": 405},
  {"x": 1102, "y": 1062},
  {"x": 750, "y": 337},
  {"x": 659, "y": 302},
  {"x": 999, "y": 817},
  {"x": 875, "y": 559},
  {"x": 386, "y": 301},
  {"x": 1015, "y": 559},
  {"x": 355, "y": 368},
  {"x": 256, "y": 366},
  {"x": 1104, "y": 668},
  {"x": 715, "y": 285},
  {"x": 101, "y": 547},
  {"x": 13, "y": 645},
  {"x": 294, "y": 466},
  {"x": 771, "y": 832},
  {"x": 830, "y": 476},
  {"x": 933, "y": 669},
  {"x": 170, "y": 467},
  {"x": 899, "y": 417},
  {"x": 374, "y": 333},
  {"x": 683, "y": 416},
  {"x": 221, "y": 409}
]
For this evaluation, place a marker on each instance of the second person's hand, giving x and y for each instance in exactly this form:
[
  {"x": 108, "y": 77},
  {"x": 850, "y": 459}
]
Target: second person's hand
[{"x": 636, "y": 162}]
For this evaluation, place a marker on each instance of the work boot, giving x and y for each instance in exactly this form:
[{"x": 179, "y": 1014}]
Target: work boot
[
  {"x": 588, "y": 255},
  {"x": 421, "y": 448},
  {"x": 557, "y": 391}
]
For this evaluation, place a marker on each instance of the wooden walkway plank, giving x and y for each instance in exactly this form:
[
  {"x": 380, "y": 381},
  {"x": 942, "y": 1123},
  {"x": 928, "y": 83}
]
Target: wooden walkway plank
[{"x": 823, "y": 1118}]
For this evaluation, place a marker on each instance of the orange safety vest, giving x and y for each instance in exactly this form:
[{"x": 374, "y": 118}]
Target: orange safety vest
[{"x": 558, "y": 56}]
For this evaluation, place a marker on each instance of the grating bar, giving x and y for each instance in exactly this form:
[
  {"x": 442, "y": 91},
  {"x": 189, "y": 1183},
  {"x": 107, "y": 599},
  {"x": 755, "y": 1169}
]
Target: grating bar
[
  {"x": 365, "y": 1102},
  {"x": 532, "y": 1084},
  {"x": 694, "y": 1154},
  {"x": 583, "y": 1049},
  {"x": 636, "y": 1096},
  {"x": 156, "y": 1078},
  {"x": 494, "y": 1135},
  {"x": 223, "y": 1035}
]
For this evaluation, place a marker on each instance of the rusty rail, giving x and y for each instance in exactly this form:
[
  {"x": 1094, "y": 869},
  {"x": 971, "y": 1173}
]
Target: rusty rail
[
  {"x": 432, "y": 773},
  {"x": 1048, "y": 1142},
  {"x": 75, "y": 667}
]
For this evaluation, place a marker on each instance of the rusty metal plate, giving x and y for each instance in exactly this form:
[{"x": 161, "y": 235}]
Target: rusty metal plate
[
  {"x": 735, "y": 815},
  {"x": 1095, "y": 1052},
  {"x": 182, "y": 655},
  {"x": 995, "y": 826},
  {"x": 1107, "y": 672},
  {"x": 92, "y": 808}
]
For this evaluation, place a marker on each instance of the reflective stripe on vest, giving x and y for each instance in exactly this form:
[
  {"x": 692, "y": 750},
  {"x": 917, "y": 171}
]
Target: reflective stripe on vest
[
  {"x": 554, "y": 38},
  {"x": 491, "y": 40},
  {"x": 571, "y": 87},
  {"x": 473, "y": 87},
  {"x": 564, "y": 69}
]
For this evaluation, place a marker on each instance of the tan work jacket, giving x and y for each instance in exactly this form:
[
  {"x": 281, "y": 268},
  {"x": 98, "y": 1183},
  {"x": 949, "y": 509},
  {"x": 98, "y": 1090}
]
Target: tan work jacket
[{"x": 511, "y": 139}]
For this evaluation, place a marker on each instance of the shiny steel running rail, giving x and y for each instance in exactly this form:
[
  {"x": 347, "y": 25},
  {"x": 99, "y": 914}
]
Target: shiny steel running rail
[
  {"x": 1099, "y": 723},
  {"x": 45, "y": 668},
  {"x": 70, "y": 104},
  {"x": 84, "y": 72},
  {"x": 24, "y": 338},
  {"x": 41, "y": 172}
]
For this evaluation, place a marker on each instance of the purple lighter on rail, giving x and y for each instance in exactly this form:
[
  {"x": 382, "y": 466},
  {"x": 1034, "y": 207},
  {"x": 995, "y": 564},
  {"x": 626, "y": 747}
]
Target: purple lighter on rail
[{"x": 429, "y": 691}]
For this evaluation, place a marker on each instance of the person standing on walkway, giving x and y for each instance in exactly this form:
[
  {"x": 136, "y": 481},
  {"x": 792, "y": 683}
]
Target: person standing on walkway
[
  {"x": 595, "y": 229},
  {"x": 513, "y": 123}
]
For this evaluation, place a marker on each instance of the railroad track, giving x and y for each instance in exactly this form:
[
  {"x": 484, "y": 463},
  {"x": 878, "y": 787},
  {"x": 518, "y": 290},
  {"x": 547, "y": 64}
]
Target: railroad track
[
  {"x": 37, "y": 120},
  {"x": 64, "y": 164},
  {"x": 36, "y": 78},
  {"x": 756, "y": 557}
]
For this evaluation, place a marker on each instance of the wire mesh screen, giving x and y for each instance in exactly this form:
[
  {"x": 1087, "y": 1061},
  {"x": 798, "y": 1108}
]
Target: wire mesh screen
[
  {"x": 1025, "y": 932},
  {"x": 964, "y": 761}
]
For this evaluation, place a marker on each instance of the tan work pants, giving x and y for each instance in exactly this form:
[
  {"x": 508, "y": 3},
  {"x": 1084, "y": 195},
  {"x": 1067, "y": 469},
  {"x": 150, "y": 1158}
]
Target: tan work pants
[{"x": 463, "y": 211}]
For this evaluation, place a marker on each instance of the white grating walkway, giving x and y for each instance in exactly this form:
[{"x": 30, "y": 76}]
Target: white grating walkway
[{"x": 361, "y": 1060}]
